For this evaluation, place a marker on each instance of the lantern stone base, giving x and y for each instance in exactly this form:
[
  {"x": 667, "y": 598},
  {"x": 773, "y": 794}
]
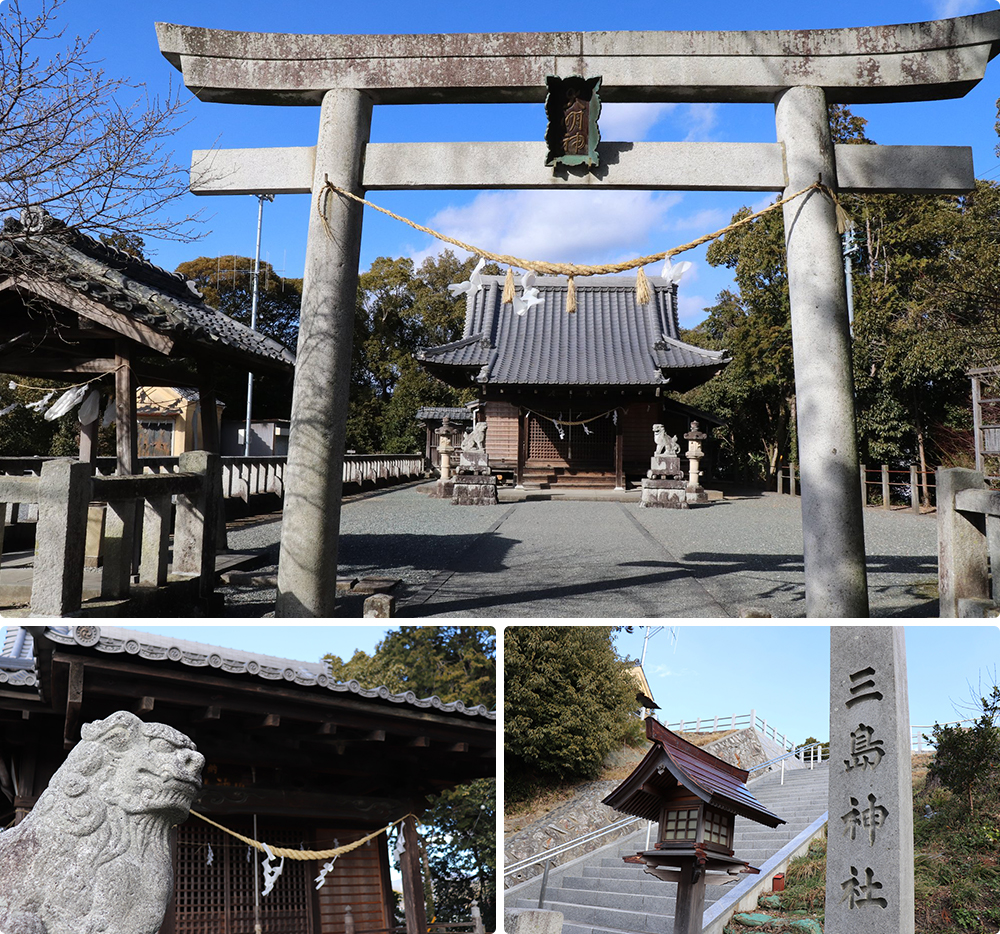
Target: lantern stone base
[
  {"x": 474, "y": 490},
  {"x": 664, "y": 494},
  {"x": 696, "y": 494},
  {"x": 442, "y": 489}
]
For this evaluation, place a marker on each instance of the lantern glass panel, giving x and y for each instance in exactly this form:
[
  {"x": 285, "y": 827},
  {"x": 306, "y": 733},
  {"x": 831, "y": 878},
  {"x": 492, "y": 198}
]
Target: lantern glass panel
[
  {"x": 681, "y": 825},
  {"x": 716, "y": 827}
]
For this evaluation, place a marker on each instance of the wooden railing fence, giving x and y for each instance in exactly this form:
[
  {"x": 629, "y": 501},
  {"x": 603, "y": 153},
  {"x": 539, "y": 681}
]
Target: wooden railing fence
[{"x": 905, "y": 483}]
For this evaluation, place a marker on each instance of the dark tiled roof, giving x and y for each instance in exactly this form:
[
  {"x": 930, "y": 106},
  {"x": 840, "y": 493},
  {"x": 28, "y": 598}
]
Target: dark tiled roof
[
  {"x": 152, "y": 648},
  {"x": 436, "y": 412},
  {"x": 673, "y": 761},
  {"x": 137, "y": 289},
  {"x": 610, "y": 340}
]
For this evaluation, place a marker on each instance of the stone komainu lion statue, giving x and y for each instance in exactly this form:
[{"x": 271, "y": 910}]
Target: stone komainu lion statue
[
  {"x": 665, "y": 444},
  {"x": 473, "y": 440},
  {"x": 94, "y": 854}
]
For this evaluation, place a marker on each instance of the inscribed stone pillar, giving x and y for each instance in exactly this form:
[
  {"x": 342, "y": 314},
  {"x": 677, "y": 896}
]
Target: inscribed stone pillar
[
  {"x": 307, "y": 567},
  {"x": 832, "y": 526},
  {"x": 869, "y": 862}
]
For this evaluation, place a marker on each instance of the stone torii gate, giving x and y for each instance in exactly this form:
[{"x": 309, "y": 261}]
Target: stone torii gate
[{"x": 800, "y": 72}]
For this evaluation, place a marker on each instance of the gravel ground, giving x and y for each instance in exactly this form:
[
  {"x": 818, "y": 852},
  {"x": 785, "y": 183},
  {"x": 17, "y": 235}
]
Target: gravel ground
[{"x": 583, "y": 560}]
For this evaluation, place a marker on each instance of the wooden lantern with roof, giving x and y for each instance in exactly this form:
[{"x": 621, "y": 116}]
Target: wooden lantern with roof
[{"x": 694, "y": 798}]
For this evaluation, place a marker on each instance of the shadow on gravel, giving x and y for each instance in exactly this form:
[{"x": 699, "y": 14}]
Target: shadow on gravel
[
  {"x": 618, "y": 585},
  {"x": 384, "y": 551}
]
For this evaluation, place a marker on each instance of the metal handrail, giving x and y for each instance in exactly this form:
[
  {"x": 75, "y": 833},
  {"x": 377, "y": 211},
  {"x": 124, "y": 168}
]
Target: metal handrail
[
  {"x": 788, "y": 755},
  {"x": 566, "y": 847}
]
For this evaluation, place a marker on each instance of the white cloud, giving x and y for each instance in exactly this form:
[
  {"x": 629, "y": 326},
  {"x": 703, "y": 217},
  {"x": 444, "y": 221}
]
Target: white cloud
[
  {"x": 560, "y": 226},
  {"x": 945, "y": 8},
  {"x": 702, "y": 119},
  {"x": 631, "y": 122},
  {"x": 691, "y": 309}
]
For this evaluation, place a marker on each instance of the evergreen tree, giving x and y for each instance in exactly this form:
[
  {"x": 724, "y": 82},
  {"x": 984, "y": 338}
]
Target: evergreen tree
[
  {"x": 452, "y": 662},
  {"x": 568, "y": 700}
]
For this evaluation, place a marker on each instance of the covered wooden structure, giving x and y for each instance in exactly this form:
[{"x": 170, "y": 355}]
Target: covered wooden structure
[
  {"x": 694, "y": 797},
  {"x": 572, "y": 398},
  {"x": 73, "y": 308},
  {"x": 292, "y": 758}
]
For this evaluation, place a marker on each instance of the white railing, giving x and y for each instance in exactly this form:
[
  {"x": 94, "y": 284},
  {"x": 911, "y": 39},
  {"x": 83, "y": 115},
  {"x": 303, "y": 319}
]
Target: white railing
[
  {"x": 736, "y": 721},
  {"x": 372, "y": 468}
]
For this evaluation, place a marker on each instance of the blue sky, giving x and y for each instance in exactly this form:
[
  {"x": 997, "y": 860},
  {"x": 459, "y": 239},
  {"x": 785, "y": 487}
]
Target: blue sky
[
  {"x": 576, "y": 226},
  {"x": 783, "y": 672}
]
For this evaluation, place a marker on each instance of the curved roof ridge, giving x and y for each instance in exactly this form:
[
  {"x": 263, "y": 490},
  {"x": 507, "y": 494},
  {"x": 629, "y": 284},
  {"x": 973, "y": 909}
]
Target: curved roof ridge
[{"x": 152, "y": 647}]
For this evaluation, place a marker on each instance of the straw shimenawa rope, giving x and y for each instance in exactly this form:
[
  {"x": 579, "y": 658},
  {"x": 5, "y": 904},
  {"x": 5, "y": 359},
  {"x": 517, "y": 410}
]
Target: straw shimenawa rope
[
  {"x": 571, "y": 270},
  {"x": 279, "y": 851}
]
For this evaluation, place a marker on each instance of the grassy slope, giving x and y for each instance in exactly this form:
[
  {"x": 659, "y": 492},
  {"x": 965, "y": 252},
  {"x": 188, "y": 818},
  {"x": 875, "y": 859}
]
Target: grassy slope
[{"x": 956, "y": 864}]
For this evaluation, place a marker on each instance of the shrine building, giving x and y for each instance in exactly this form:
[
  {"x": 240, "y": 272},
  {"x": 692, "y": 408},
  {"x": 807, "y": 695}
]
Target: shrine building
[
  {"x": 571, "y": 398},
  {"x": 294, "y": 758}
]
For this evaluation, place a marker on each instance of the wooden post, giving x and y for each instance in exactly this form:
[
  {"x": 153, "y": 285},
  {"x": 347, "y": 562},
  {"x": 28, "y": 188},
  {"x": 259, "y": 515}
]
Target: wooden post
[
  {"x": 413, "y": 886},
  {"x": 620, "y": 453},
  {"x": 88, "y": 439},
  {"x": 690, "y": 905},
  {"x": 792, "y": 478},
  {"x": 885, "y": 487},
  {"x": 864, "y": 485},
  {"x": 914, "y": 490},
  {"x": 126, "y": 429}
]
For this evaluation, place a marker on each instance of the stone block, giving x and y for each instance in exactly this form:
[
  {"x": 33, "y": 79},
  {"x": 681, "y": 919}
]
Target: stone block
[
  {"x": 663, "y": 494},
  {"x": 442, "y": 489},
  {"x": 532, "y": 921},
  {"x": 696, "y": 494},
  {"x": 665, "y": 465},
  {"x": 94, "y": 554},
  {"x": 475, "y": 490},
  {"x": 380, "y": 606}
]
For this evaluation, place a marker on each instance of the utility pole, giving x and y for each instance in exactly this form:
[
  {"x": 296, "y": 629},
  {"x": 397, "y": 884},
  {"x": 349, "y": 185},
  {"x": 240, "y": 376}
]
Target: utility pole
[{"x": 253, "y": 316}]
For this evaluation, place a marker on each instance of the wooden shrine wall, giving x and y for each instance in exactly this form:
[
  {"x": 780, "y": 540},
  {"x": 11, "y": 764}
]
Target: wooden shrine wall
[
  {"x": 501, "y": 435},
  {"x": 214, "y": 883},
  {"x": 359, "y": 879}
]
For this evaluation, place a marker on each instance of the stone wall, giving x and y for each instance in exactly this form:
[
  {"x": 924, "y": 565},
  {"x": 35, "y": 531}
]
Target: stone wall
[
  {"x": 748, "y": 748},
  {"x": 576, "y": 818}
]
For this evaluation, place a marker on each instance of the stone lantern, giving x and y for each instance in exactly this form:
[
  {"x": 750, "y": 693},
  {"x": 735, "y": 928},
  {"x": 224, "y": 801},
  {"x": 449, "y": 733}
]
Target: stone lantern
[{"x": 694, "y": 798}]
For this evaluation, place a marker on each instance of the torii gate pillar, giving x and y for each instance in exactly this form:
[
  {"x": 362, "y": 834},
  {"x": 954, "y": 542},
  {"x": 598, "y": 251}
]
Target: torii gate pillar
[
  {"x": 833, "y": 537},
  {"x": 310, "y": 525}
]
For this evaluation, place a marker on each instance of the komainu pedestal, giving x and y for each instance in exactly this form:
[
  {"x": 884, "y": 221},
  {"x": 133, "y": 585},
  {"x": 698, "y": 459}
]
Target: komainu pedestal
[
  {"x": 663, "y": 487},
  {"x": 474, "y": 485}
]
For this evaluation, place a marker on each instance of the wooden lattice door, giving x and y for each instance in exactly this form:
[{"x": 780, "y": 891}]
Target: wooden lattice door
[
  {"x": 217, "y": 897},
  {"x": 589, "y": 445}
]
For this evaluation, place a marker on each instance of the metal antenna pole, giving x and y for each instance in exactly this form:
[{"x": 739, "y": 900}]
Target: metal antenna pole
[{"x": 253, "y": 317}]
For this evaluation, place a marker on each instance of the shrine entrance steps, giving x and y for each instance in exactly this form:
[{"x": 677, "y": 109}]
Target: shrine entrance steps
[
  {"x": 545, "y": 478},
  {"x": 599, "y": 894}
]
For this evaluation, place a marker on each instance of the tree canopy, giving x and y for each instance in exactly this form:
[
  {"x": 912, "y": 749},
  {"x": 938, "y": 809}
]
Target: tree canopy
[
  {"x": 568, "y": 700},
  {"x": 453, "y": 662},
  {"x": 401, "y": 308},
  {"x": 924, "y": 286}
]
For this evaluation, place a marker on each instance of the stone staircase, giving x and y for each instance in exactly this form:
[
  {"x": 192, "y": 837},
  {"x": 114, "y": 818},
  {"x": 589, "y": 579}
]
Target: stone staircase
[{"x": 599, "y": 894}]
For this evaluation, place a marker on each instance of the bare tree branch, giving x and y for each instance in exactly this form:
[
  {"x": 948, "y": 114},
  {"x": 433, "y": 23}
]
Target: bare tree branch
[{"x": 90, "y": 149}]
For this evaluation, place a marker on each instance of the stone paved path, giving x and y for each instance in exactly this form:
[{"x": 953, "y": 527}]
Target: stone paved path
[{"x": 604, "y": 559}]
